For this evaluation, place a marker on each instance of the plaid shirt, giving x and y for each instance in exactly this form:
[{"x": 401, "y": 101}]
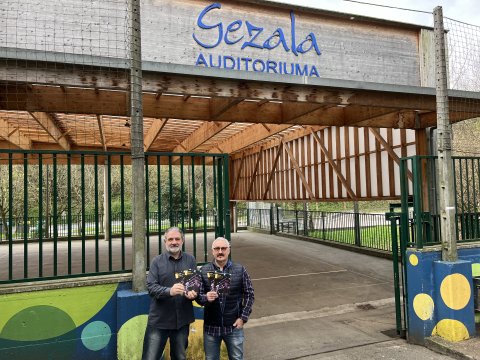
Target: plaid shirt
[{"x": 248, "y": 298}]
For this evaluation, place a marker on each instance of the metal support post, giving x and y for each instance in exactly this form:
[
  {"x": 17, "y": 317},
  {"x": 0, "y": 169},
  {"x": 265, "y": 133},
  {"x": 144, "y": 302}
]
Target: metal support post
[
  {"x": 138, "y": 155},
  {"x": 444, "y": 145}
]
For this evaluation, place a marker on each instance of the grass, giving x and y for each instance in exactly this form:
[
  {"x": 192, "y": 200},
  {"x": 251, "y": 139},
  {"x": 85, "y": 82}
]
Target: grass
[{"x": 375, "y": 237}]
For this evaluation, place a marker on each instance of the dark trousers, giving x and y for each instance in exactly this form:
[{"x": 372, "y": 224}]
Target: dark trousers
[{"x": 155, "y": 340}]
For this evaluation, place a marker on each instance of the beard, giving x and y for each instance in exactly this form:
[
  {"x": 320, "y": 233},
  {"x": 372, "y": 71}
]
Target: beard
[{"x": 174, "y": 249}]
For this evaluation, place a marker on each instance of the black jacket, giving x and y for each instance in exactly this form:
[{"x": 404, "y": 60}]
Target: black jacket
[{"x": 168, "y": 312}]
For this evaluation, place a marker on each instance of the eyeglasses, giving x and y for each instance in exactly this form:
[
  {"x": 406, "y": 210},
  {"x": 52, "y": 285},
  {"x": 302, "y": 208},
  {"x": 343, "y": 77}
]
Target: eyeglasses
[{"x": 220, "y": 248}]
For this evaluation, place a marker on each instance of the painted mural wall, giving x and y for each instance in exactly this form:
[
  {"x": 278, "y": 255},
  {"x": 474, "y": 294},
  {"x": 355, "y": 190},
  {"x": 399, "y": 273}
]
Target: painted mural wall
[
  {"x": 441, "y": 295},
  {"x": 92, "y": 322}
]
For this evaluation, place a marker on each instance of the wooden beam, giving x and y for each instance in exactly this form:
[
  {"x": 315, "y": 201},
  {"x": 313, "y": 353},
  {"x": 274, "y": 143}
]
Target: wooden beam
[
  {"x": 272, "y": 170},
  {"x": 49, "y": 124},
  {"x": 334, "y": 166},
  {"x": 299, "y": 172},
  {"x": 219, "y": 106},
  {"x": 16, "y": 138},
  {"x": 389, "y": 149},
  {"x": 180, "y": 144},
  {"x": 153, "y": 132},
  {"x": 102, "y": 132},
  {"x": 290, "y": 136},
  {"x": 387, "y": 118},
  {"x": 252, "y": 181},
  {"x": 204, "y": 133},
  {"x": 87, "y": 101},
  {"x": 250, "y": 136}
]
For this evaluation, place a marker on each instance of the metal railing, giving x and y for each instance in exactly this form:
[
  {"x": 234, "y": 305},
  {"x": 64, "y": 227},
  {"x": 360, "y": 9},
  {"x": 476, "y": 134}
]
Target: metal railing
[
  {"x": 420, "y": 218},
  {"x": 79, "y": 225},
  {"x": 68, "y": 213},
  {"x": 357, "y": 229}
]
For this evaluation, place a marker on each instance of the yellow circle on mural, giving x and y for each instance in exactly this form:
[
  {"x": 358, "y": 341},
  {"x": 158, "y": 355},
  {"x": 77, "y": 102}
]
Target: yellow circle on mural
[
  {"x": 455, "y": 291},
  {"x": 423, "y": 306},
  {"x": 413, "y": 259},
  {"x": 451, "y": 330},
  {"x": 130, "y": 338}
]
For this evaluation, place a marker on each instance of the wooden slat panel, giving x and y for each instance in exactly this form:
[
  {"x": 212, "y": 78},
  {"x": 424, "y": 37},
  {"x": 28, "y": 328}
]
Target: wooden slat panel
[{"x": 368, "y": 177}]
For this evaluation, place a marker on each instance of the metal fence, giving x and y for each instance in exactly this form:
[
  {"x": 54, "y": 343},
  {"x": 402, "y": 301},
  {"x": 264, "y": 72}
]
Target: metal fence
[
  {"x": 357, "y": 229},
  {"x": 420, "y": 215},
  {"x": 67, "y": 214},
  {"x": 120, "y": 224}
]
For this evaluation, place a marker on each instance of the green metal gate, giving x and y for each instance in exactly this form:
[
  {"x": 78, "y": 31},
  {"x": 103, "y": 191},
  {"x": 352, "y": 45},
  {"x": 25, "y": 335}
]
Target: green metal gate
[{"x": 68, "y": 214}]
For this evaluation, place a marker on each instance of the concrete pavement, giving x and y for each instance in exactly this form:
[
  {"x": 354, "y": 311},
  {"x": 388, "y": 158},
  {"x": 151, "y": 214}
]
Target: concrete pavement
[{"x": 319, "y": 302}]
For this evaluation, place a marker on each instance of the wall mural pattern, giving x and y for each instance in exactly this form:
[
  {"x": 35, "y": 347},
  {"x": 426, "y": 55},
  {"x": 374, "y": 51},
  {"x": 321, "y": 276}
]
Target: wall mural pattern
[
  {"x": 440, "y": 295},
  {"x": 92, "y": 322}
]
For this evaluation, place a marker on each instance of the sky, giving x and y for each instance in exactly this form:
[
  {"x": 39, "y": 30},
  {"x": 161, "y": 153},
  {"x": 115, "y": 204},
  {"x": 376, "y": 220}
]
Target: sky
[{"x": 461, "y": 10}]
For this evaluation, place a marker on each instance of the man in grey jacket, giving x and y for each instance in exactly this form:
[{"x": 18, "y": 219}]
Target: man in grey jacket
[{"x": 171, "y": 310}]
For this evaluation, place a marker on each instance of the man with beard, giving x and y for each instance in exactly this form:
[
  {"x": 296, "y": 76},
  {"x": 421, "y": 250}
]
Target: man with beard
[
  {"x": 171, "y": 310},
  {"x": 226, "y": 310}
]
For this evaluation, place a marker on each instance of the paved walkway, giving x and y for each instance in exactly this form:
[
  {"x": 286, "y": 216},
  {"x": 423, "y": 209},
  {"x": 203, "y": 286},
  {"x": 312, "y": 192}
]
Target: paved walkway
[{"x": 319, "y": 302}]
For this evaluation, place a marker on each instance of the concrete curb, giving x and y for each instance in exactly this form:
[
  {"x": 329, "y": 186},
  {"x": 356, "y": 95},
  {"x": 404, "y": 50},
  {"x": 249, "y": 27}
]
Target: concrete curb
[{"x": 446, "y": 348}]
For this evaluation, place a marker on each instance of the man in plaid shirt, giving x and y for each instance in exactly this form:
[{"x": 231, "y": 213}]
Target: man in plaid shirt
[{"x": 228, "y": 303}]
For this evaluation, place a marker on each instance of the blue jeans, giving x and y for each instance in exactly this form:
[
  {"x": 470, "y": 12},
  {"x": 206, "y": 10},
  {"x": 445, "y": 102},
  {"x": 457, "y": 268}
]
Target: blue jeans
[
  {"x": 155, "y": 340},
  {"x": 233, "y": 341}
]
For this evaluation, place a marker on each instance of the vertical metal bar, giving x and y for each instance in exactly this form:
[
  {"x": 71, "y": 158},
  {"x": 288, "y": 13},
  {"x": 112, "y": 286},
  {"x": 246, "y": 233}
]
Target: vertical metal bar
[
  {"x": 170, "y": 189},
  {"x": 82, "y": 188},
  {"x": 477, "y": 232},
  {"x": 466, "y": 205},
  {"x": 194, "y": 209},
  {"x": 69, "y": 213},
  {"x": 473, "y": 207},
  {"x": 221, "y": 209},
  {"x": 462, "y": 202},
  {"x": 55, "y": 215},
  {"x": 226, "y": 199},
  {"x": 159, "y": 205},
  {"x": 182, "y": 200},
  {"x": 396, "y": 275},
  {"x": 137, "y": 150},
  {"x": 417, "y": 200},
  {"x": 204, "y": 190},
  {"x": 358, "y": 241},
  {"x": 122, "y": 210},
  {"x": 215, "y": 189},
  {"x": 97, "y": 232},
  {"x": 271, "y": 220},
  {"x": 323, "y": 225},
  {"x": 147, "y": 206},
  {"x": 296, "y": 222},
  {"x": 10, "y": 216},
  {"x": 25, "y": 215},
  {"x": 40, "y": 215},
  {"x": 277, "y": 225},
  {"x": 109, "y": 195}
]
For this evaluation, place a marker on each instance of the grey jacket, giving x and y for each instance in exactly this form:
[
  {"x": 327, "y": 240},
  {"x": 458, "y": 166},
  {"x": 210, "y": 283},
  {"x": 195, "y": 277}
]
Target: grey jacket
[{"x": 168, "y": 312}]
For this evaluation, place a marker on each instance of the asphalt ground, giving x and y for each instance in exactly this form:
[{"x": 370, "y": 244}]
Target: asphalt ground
[{"x": 318, "y": 302}]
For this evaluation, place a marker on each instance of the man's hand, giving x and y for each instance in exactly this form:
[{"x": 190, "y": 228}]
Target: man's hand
[
  {"x": 238, "y": 324},
  {"x": 211, "y": 296},
  {"x": 190, "y": 295},
  {"x": 177, "y": 289}
]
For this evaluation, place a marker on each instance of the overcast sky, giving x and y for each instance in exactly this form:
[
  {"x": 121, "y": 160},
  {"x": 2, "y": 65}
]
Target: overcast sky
[{"x": 462, "y": 10}]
